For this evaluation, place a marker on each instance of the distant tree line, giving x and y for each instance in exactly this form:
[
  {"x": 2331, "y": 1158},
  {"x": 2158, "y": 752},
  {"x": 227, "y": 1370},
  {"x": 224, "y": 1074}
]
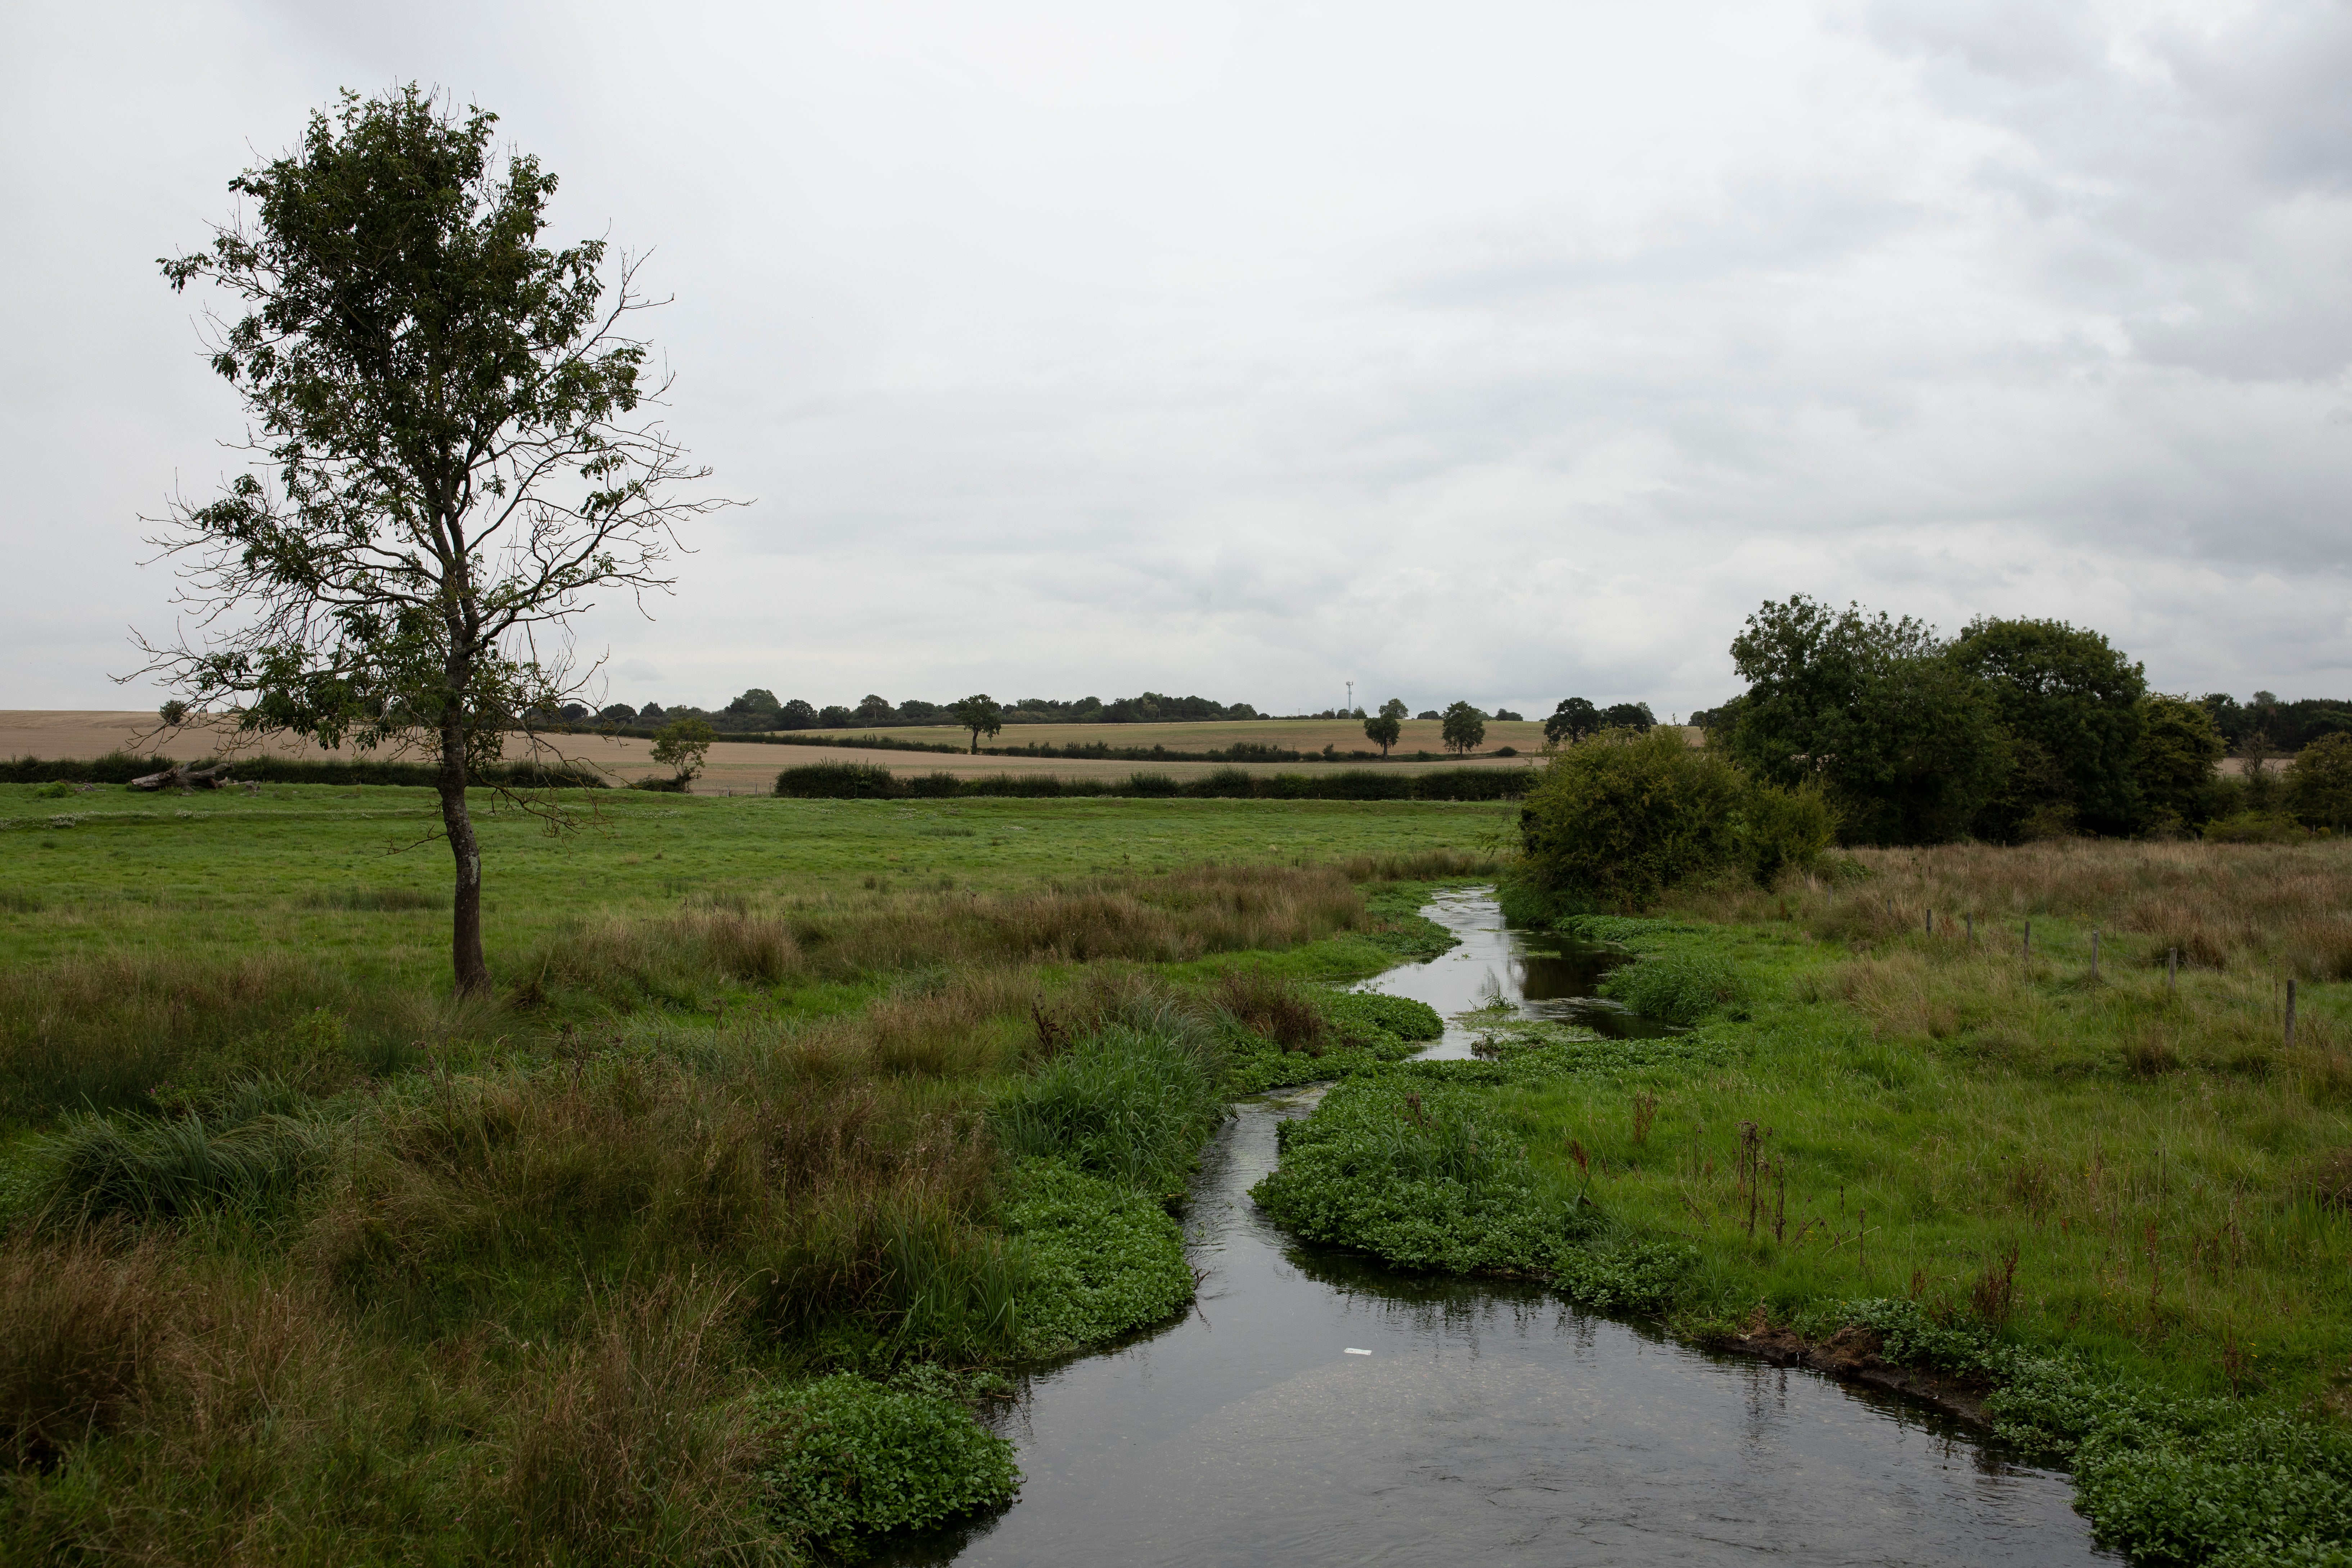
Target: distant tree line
[{"x": 759, "y": 710}]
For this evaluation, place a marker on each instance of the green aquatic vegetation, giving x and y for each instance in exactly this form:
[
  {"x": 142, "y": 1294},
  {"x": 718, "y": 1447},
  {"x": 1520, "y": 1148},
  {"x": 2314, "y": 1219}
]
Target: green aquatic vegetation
[
  {"x": 854, "y": 1457},
  {"x": 1363, "y": 1032},
  {"x": 1097, "y": 1260},
  {"x": 1421, "y": 1176}
]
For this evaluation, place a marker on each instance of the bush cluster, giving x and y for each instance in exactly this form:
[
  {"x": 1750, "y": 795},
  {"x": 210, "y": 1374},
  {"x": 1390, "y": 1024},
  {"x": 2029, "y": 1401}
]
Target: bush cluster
[{"x": 1616, "y": 821}]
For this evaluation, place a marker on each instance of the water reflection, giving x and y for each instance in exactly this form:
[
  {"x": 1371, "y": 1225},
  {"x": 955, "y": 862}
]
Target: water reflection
[
  {"x": 1540, "y": 975},
  {"x": 1490, "y": 1422}
]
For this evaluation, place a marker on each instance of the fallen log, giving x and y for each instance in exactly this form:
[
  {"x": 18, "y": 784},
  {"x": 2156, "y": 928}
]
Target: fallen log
[{"x": 182, "y": 776}]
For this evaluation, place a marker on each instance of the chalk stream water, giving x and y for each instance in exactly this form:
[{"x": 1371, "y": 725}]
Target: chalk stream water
[{"x": 1490, "y": 1423}]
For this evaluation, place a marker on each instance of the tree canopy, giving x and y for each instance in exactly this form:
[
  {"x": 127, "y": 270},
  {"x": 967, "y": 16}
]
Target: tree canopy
[
  {"x": 1572, "y": 721},
  {"x": 980, "y": 715},
  {"x": 2070, "y": 704},
  {"x": 1907, "y": 745},
  {"x": 1464, "y": 727},
  {"x": 1383, "y": 727},
  {"x": 452, "y": 446}
]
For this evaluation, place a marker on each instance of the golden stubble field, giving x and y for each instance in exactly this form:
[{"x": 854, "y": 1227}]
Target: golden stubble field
[{"x": 749, "y": 768}]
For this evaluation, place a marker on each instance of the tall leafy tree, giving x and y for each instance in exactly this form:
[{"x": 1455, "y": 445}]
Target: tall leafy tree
[
  {"x": 2071, "y": 703},
  {"x": 1907, "y": 745},
  {"x": 1383, "y": 727},
  {"x": 980, "y": 715},
  {"x": 1633, "y": 716},
  {"x": 1572, "y": 721},
  {"x": 1464, "y": 727},
  {"x": 453, "y": 449},
  {"x": 2319, "y": 782},
  {"x": 2173, "y": 767}
]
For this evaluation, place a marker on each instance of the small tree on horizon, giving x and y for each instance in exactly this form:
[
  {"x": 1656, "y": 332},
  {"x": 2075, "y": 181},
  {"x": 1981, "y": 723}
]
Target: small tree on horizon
[
  {"x": 682, "y": 744},
  {"x": 979, "y": 714},
  {"x": 1465, "y": 728},
  {"x": 1386, "y": 725},
  {"x": 452, "y": 446}
]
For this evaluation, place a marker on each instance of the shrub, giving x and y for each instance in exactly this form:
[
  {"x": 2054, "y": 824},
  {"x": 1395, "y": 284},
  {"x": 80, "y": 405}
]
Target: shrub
[
  {"x": 1783, "y": 831},
  {"x": 1228, "y": 784},
  {"x": 1618, "y": 820},
  {"x": 855, "y": 1458},
  {"x": 2254, "y": 828}
]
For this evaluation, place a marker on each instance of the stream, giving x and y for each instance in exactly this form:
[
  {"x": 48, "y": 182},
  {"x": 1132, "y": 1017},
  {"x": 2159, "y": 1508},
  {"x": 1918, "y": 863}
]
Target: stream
[{"x": 1490, "y": 1422}]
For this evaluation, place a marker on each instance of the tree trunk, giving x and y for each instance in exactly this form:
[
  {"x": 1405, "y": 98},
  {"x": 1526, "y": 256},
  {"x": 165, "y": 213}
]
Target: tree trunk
[
  {"x": 975, "y": 743},
  {"x": 465, "y": 908}
]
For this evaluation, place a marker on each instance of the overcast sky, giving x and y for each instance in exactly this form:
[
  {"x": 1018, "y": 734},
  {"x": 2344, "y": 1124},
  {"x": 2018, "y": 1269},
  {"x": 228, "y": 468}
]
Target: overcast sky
[{"x": 1499, "y": 351}]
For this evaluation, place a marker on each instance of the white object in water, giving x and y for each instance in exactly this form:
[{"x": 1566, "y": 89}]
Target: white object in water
[{"x": 1353, "y": 1351}]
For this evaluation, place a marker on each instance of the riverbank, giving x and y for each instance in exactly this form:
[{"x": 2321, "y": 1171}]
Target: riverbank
[{"x": 2098, "y": 1205}]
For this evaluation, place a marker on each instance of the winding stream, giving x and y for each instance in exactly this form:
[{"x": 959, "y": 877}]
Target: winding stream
[{"x": 1490, "y": 1422}]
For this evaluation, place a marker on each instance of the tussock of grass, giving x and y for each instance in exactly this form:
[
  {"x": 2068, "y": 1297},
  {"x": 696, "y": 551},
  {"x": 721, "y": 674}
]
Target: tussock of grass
[{"x": 1131, "y": 1100}]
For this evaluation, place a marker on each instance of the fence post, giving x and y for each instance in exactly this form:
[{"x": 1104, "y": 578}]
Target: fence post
[
  {"x": 1931, "y": 922},
  {"x": 2029, "y": 939},
  {"x": 2095, "y": 953},
  {"x": 2171, "y": 970},
  {"x": 2290, "y": 1012}
]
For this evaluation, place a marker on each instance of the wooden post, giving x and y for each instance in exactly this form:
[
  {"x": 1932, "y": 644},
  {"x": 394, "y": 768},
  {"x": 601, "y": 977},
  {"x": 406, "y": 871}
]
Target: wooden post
[
  {"x": 2171, "y": 970},
  {"x": 2095, "y": 953},
  {"x": 1931, "y": 922},
  {"x": 1971, "y": 921},
  {"x": 2029, "y": 940},
  {"x": 2290, "y": 1012}
]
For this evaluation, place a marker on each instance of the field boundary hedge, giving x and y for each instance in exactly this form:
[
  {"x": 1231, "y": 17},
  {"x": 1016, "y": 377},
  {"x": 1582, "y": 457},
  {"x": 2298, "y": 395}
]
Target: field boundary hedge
[
  {"x": 868, "y": 781},
  {"x": 122, "y": 767}
]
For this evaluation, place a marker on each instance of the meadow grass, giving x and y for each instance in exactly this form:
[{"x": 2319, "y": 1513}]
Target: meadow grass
[{"x": 306, "y": 1260}]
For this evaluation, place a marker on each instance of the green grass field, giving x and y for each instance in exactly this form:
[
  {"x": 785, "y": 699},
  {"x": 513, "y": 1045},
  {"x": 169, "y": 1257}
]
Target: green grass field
[
  {"x": 790, "y": 1122},
  {"x": 228, "y": 872}
]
